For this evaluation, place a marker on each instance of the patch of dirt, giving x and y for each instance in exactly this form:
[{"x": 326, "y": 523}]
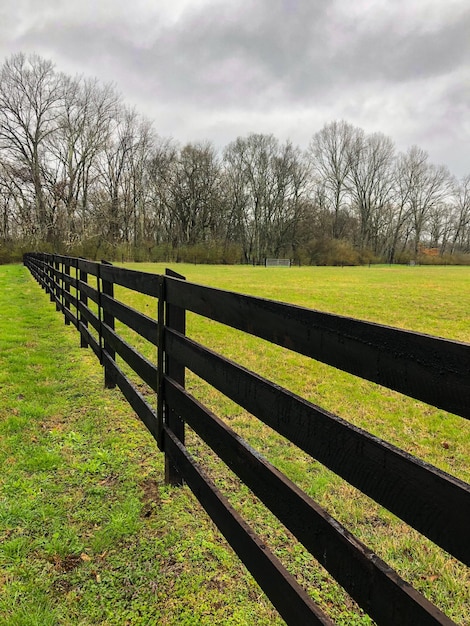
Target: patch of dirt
[
  {"x": 62, "y": 586},
  {"x": 66, "y": 563},
  {"x": 218, "y": 584},
  {"x": 144, "y": 389},
  {"x": 376, "y": 522},
  {"x": 151, "y": 496},
  {"x": 109, "y": 481},
  {"x": 54, "y": 423}
]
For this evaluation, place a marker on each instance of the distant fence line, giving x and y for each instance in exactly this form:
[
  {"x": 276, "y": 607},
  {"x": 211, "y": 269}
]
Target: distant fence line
[{"x": 427, "y": 368}]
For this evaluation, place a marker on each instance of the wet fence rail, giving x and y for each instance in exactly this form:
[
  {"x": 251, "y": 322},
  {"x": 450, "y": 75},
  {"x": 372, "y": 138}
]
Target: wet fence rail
[{"x": 430, "y": 369}]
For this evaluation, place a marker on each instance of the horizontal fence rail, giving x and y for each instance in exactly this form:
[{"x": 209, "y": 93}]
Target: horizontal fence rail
[
  {"x": 425, "y": 497},
  {"x": 433, "y": 370},
  {"x": 427, "y": 368}
]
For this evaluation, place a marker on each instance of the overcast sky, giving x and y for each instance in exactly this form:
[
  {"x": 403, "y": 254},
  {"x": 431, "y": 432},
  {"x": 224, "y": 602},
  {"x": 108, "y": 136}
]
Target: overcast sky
[{"x": 217, "y": 69}]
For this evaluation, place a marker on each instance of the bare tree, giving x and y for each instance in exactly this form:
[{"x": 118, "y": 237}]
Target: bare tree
[
  {"x": 427, "y": 187},
  {"x": 160, "y": 168},
  {"x": 31, "y": 100},
  {"x": 186, "y": 194},
  {"x": 268, "y": 182},
  {"x": 237, "y": 194},
  {"x": 7, "y": 205},
  {"x": 84, "y": 128},
  {"x": 370, "y": 182},
  {"x": 115, "y": 176},
  {"x": 461, "y": 235},
  {"x": 195, "y": 193},
  {"x": 399, "y": 209},
  {"x": 17, "y": 203},
  {"x": 329, "y": 156},
  {"x": 441, "y": 224},
  {"x": 289, "y": 202}
]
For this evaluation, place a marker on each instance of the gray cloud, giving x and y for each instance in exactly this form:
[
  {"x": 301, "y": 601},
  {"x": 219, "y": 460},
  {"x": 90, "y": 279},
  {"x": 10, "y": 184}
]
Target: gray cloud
[
  {"x": 398, "y": 56},
  {"x": 282, "y": 66}
]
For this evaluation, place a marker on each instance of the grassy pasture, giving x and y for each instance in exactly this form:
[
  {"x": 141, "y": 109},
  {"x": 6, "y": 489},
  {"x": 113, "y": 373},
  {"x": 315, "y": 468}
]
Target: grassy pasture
[
  {"x": 118, "y": 547},
  {"x": 432, "y": 300}
]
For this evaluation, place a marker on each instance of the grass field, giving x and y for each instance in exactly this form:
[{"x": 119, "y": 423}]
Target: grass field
[{"x": 89, "y": 533}]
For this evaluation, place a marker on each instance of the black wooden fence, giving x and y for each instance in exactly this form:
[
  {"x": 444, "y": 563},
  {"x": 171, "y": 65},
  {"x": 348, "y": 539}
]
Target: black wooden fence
[{"x": 430, "y": 369}]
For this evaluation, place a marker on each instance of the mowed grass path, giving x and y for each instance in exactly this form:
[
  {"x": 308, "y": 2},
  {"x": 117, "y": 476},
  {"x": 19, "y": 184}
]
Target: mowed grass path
[{"x": 90, "y": 535}]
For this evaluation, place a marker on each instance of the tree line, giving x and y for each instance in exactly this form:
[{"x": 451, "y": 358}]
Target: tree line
[{"x": 83, "y": 173}]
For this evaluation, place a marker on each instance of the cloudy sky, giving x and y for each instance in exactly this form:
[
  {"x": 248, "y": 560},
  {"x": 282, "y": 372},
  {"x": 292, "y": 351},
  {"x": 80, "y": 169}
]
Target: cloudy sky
[{"x": 217, "y": 69}]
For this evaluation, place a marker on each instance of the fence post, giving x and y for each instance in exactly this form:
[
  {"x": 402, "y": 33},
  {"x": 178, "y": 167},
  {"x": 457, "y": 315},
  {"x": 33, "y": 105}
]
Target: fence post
[
  {"x": 50, "y": 271},
  {"x": 58, "y": 294},
  {"x": 66, "y": 289},
  {"x": 175, "y": 318},
  {"x": 61, "y": 284},
  {"x": 82, "y": 276},
  {"x": 160, "y": 362},
  {"x": 107, "y": 288}
]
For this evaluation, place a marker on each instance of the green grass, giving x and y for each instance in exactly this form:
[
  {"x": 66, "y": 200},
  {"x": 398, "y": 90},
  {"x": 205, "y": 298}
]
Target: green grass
[
  {"x": 90, "y": 535},
  {"x": 88, "y": 532},
  {"x": 435, "y": 300}
]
